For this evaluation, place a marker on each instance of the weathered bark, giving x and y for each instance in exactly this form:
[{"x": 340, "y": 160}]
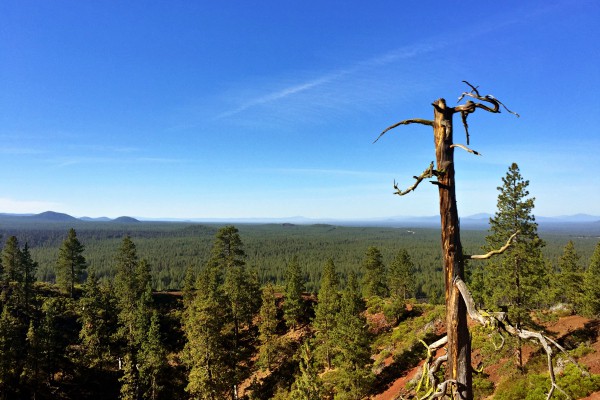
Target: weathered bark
[{"x": 459, "y": 342}]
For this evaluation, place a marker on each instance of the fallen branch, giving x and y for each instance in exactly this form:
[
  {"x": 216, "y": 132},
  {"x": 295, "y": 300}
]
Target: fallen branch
[
  {"x": 462, "y": 146},
  {"x": 494, "y": 252},
  {"x": 405, "y": 122},
  {"x": 428, "y": 173}
]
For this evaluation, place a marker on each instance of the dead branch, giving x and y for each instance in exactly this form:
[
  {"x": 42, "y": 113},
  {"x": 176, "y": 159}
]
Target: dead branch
[
  {"x": 462, "y": 146},
  {"x": 428, "y": 173},
  {"x": 499, "y": 320},
  {"x": 464, "y": 115},
  {"x": 430, "y": 368},
  {"x": 443, "y": 388},
  {"x": 470, "y": 106},
  {"x": 405, "y": 122},
  {"x": 494, "y": 252}
]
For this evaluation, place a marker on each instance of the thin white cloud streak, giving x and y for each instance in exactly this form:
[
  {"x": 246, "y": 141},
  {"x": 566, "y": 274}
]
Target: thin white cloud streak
[
  {"x": 70, "y": 161},
  {"x": 330, "y": 172},
  {"x": 20, "y": 151},
  {"x": 403, "y": 53},
  {"x": 392, "y": 56}
]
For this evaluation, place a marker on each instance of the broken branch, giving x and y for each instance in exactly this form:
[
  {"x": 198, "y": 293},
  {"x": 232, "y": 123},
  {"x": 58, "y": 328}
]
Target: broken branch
[
  {"x": 495, "y": 252},
  {"x": 406, "y": 122},
  {"x": 428, "y": 173},
  {"x": 462, "y": 146}
]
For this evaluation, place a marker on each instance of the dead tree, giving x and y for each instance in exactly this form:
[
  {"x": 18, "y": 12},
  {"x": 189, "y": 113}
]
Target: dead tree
[
  {"x": 458, "y": 340},
  {"x": 458, "y": 299}
]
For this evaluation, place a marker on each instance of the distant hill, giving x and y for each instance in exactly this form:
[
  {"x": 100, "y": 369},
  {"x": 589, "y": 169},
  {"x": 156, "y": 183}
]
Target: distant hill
[
  {"x": 99, "y": 219},
  {"x": 126, "y": 220},
  {"x": 51, "y": 216}
]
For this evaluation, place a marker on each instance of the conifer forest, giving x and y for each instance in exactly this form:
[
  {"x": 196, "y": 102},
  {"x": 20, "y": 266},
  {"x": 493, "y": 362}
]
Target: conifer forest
[{"x": 93, "y": 310}]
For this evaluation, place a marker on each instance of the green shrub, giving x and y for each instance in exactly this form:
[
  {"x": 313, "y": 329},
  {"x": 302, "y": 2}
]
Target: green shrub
[{"x": 536, "y": 386}]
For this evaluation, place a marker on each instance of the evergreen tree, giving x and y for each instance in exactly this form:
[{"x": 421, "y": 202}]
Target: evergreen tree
[
  {"x": 11, "y": 261},
  {"x": 98, "y": 318},
  {"x": 30, "y": 377},
  {"x": 293, "y": 306},
  {"x": 188, "y": 285},
  {"x": 12, "y": 347},
  {"x": 29, "y": 268},
  {"x": 71, "y": 263},
  {"x": 353, "y": 341},
  {"x": 307, "y": 385},
  {"x": 327, "y": 308},
  {"x": 267, "y": 327},
  {"x": 152, "y": 359},
  {"x": 227, "y": 250},
  {"x": 591, "y": 285},
  {"x": 127, "y": 289},
  {"x": 206, "y": 351},
  {"x": 401, "y": 276},
  {"x": 570, "y": 278},
  {"x": 374, "y": 274},
  {"x": 133, "y": 288},
  {"x": 517, "y": 279},
  {"x": 241, "y": 290}
]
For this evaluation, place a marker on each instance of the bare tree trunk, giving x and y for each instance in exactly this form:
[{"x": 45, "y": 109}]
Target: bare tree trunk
[{"x": 459, "y": 342}]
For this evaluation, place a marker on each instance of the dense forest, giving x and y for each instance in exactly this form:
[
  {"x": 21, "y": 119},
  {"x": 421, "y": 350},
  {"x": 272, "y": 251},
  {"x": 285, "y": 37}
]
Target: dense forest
[{"x": 170, "y": 247}]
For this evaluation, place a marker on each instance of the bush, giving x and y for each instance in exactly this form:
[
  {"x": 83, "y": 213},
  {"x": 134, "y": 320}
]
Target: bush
[{"x": 536, "y": 386}]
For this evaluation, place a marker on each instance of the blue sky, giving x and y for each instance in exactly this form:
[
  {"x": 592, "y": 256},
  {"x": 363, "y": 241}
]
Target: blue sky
[{"x": 269, "y": 109}]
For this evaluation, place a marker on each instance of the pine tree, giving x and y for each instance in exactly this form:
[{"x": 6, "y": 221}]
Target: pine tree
[
  {"x": 152, "y": 360},
  {"x": 11, "y": 261},
  {"x": 29, "y": 268},
  {"x": 307, "y": 385},
  {"x": 293, "y": 306},
  {"x": 352, "y": 345},
  {"x": 591, "y": 285},
  {"x": 98, "y": 319},
  {"x": 71, "y": 263},
  {"x": 327, "y": 308},
  {"x": 133, "y": 288},
  {"x": 267, "y": 327},
  {"x": 30, "y": 378},
  {"x": 241, "y": 290},
  {"x": 517, "y": 279},
  {"x": 189, "y": 282},
  {"x": 570, "y": 278},
  {"x": 12, "y": 347},
  {"x": 374, "y": 274},
  {"x": 401, "y": 276},
  {"x": 206, "y": 351}
]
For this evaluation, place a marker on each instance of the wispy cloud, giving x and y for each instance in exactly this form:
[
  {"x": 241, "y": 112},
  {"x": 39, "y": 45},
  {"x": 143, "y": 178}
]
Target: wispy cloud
[
  {"x": 79, "y": 160},
  {"x": 326, "y": 172},
  {"x": 331, "y": 77},
  {"x": 361, "y": 70},
  {"x": 20, "y": 151}
]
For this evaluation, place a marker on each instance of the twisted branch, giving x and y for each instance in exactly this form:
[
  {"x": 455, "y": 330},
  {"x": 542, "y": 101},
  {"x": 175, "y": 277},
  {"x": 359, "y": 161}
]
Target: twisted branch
[
  {"x": 428, "y": 173},
  {"x": 470, "y": 106},
  {"x": 492, "y": 253},
  {"x": 405, "y": 122}
]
